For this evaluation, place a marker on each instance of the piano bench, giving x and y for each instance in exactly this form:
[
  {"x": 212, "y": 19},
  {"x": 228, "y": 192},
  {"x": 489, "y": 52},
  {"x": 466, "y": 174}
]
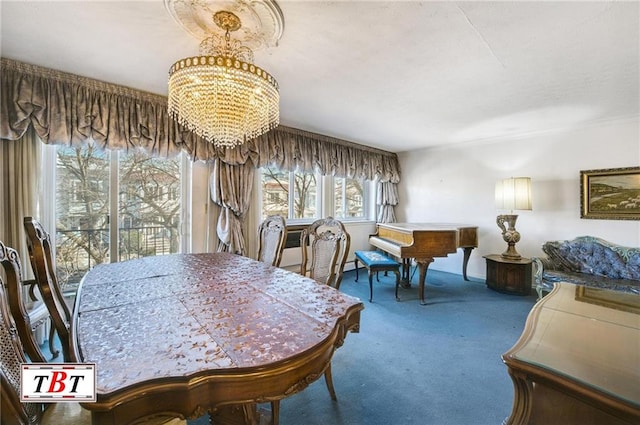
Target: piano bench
[{"x": 375, "y": 262}]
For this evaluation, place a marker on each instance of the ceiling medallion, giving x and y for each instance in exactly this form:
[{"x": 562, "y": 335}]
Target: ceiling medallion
[{"x": 221, "y": 95}]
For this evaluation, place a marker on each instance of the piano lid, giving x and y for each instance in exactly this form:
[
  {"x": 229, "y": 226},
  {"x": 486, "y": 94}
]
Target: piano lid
[{"x": 410, "y": 227}]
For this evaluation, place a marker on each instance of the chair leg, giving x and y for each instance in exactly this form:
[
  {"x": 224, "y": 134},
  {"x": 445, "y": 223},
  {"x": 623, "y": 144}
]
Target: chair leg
[
  {"x": 329, "y": 380},
  {"x": 275, "y": 412},
  {"x": 370, "y": 285},
  {"x": 54, "y": 352},
  {"x": 355, "y": 263}
]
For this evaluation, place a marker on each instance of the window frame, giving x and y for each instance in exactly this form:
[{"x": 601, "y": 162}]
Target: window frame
[{"x": 47, "y": 200}]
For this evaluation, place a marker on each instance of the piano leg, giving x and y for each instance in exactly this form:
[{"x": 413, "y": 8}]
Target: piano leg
[
  {"x": 423, "y": 265},
  {"x": 405, "y": 282},
  {"x": 465, "y": 261}
]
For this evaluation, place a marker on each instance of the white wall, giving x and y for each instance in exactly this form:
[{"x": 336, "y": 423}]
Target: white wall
[{"x": 456, "y": 184}]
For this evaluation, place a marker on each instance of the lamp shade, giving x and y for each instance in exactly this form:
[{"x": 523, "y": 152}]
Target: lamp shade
[{"x": 514, "y": 194}]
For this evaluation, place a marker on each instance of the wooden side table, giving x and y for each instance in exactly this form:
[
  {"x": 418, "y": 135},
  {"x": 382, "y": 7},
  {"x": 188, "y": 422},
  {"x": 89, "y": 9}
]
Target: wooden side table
[{"x": 510, "y": 276}]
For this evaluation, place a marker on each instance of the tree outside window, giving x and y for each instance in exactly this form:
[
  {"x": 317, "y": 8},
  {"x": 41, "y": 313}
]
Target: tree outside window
[{"x": 82, "y": 211}]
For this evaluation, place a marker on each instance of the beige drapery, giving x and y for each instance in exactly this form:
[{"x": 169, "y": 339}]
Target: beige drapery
[
  {"x": 68, "y": 109},
  {"x": 231, "y": 188},
  {"x": 20, "y": 161},
  {"x": 386, "y": 199}
]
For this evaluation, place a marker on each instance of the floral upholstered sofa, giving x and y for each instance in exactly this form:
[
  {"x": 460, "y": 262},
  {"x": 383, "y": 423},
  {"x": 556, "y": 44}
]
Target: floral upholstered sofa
[{"x": 589, "y": 261}]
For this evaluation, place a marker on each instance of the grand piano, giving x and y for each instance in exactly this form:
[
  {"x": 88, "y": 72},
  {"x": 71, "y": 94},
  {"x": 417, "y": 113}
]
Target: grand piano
[{"x": 424, "y": 242}]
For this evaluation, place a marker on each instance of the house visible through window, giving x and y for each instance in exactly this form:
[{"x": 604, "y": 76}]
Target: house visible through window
[{"x": 140, "y": 192}]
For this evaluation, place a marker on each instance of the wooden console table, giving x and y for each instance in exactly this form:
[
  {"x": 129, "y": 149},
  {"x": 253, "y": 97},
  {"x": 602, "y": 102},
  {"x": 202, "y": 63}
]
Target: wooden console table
[
  {"x": 578, "y": 359},
  {"x": 185, "y": 334},
  {"x": 510, "y": 276}
]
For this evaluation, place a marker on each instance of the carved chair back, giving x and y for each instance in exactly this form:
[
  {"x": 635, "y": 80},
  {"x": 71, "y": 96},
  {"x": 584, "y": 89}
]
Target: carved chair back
[
  {"x": 327, "y": 242},
  {"x": 11, "y": 357},
  {"x": 43, "y": 264},
  {"x": 272, "y": 235},
  {"x": 17, "y": 302}
]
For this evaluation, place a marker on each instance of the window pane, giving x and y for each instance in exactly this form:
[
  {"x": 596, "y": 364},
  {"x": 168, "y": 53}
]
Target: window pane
[
  {"x": 349, "y": 198},
  {"x": 82, "y": 211},
  {"x": 304, "y": 196},
  {"x": 354, "y": 198},
  {"x": 275, "y": 192},
  {"x": 149, "y": 205}
]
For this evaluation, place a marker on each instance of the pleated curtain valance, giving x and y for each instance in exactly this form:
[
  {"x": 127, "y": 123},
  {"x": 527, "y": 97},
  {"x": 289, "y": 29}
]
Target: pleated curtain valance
[{"x": 68, "y": 109}]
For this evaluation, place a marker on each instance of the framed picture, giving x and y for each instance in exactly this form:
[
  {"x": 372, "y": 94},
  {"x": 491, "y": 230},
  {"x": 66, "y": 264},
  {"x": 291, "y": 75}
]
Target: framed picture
[{"x": 610, "y": 194}]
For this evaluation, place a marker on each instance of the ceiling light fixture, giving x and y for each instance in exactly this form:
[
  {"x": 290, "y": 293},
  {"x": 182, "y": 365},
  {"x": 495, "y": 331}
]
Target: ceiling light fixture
[{"x": 221, "y": 95}]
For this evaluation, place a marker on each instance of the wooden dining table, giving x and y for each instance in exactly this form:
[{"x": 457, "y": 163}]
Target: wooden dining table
[
  {"x": 187, "y": 334},
  {"x": 578, "y": 359}
]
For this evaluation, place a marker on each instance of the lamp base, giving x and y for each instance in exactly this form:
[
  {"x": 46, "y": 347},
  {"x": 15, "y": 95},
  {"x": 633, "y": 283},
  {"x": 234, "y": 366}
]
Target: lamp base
[
  {"x": 511, "y": 253},
  {"x": 510, "y": 235}
]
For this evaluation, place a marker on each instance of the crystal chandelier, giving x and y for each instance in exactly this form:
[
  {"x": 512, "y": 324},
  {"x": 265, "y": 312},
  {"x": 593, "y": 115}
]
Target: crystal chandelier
[{"x": 221, "y": 95}]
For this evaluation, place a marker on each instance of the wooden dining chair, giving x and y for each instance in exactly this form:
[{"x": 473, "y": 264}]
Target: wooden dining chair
[
  {"x": 272, "y": 234},
  {"x": 326, "y": 242},
  {"x": 26, "y": 318},
  {"x": 325, "y": 246},
  {"x": 43, "y": 265},
  {"x": 12, "y": 411}
]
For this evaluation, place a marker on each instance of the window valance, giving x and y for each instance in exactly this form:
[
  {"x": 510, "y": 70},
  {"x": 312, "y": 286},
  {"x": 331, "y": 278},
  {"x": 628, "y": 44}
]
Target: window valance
[{"x": 68, "y": 109}]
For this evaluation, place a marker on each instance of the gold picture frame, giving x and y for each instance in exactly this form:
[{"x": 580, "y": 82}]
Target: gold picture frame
[{"x": 610, "y": 194}]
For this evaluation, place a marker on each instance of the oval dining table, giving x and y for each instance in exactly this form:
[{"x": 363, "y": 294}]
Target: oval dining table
[{"x": 187, "y": 334}]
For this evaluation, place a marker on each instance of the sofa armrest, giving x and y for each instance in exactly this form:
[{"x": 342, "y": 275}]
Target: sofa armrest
[
  {"x": 539, "y": 266},
  {"x": 538, "y": 269}
]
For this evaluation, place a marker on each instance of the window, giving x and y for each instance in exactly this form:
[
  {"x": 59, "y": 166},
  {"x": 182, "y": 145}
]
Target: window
[
  {"x": 92, "y": 186},
  {"x": 349, "y": 195},
  {"x": 298, "y": 196},
  {"x": 290, "y": 194}
]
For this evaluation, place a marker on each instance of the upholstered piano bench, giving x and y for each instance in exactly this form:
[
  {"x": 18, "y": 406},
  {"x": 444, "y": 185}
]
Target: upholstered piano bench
[{"x": 376, "y": 262}]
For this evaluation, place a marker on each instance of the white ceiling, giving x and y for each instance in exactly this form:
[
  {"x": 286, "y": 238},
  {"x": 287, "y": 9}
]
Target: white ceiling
[{"x": 397, "y": 75}]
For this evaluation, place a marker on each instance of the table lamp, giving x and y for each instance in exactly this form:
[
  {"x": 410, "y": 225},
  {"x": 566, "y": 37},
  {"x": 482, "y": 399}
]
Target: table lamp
[{"x": 512, "y": 194}]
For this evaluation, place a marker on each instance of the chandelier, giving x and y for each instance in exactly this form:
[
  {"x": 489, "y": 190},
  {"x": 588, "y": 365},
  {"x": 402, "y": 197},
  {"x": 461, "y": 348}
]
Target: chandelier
[{"x": 221, "y": 95}]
